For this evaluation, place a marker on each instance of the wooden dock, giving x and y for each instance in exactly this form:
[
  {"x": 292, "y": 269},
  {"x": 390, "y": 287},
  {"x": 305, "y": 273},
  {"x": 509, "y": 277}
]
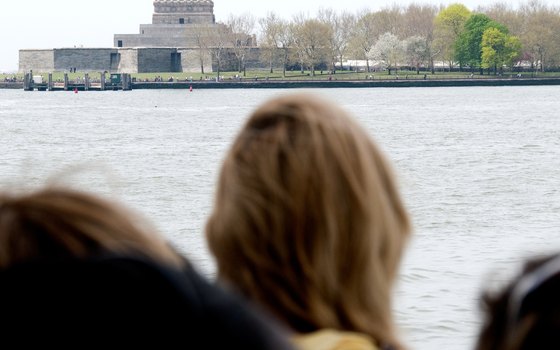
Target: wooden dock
[{"x": 121, "y": 81}]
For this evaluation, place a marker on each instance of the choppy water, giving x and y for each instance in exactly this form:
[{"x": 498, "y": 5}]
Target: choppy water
[{"x": 478, "y": 166}]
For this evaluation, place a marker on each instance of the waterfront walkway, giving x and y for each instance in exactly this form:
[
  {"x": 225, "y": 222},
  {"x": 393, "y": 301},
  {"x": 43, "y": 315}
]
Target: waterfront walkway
[
  {"x": 430, "y": 81},
  {"x": 366, "y": 83}
]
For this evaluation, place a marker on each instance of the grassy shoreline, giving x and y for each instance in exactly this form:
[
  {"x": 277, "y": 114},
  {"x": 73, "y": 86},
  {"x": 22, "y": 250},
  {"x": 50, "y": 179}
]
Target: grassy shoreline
[
  {"x": 234, "y": 80},
  {"x": 290, "y": 76}
]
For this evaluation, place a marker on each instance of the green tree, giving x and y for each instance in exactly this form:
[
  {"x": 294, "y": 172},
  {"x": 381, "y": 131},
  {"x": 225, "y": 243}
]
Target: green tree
[
  {"x": 499, "y": 49},
  {"x": 468, "y": 47},
  {"x": 448, "y": 25}
]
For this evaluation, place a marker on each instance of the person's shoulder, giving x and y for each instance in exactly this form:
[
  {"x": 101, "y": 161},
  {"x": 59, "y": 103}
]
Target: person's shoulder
[
  {"x": 128, "y": 301},
  {"x": 231, "y": 317},
  {"x": 330, "y": 339}
]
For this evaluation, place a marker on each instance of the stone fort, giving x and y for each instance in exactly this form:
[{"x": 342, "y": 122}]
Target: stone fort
[{"x": 171, "y": 43}]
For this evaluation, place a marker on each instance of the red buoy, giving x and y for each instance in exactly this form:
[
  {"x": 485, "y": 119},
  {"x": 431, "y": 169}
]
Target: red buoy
[
  {"x": 190, "y": 88},
  {"x": 75, "y": 90}
]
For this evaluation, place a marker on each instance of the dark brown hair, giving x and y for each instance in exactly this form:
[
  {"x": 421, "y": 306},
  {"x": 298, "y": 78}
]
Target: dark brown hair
[
  {"x": 525, "y": 315},
  {"x": 308, "y": 221}
]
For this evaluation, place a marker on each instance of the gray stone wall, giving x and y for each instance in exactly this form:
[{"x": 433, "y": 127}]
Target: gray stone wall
[
  {"x": 190, "y": 12},
  {"x": 186, "y": 18},
  {"x": 36, "y": 60},
  {"x": 155, "y": 60},
  {"x": 128, "y": 61},
  {"x": 163, "y": 36},
  {"x": 155, "y": 36},
  {"x": 190, "y": 61},
  {"x": 83, "y": 59},
  {"x": 132, "y": 60},
  {"x": 128, "y": 40},
  {"x": 256, "y": 59},
  {"x": 230, "y": 62}
]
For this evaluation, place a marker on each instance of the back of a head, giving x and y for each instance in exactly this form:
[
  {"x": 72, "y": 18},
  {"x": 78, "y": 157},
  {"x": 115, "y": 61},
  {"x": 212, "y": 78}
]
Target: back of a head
[
  {"x": 308, "y": 220},
  {"x": 525, "y": 315},
  {"x": 59, "y": 223},
  {"x": 77, "y": 270}
]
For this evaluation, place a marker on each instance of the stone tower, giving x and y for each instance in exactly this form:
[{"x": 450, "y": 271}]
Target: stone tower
[
  {"x": 183, "y": 12},
  {"x": 173, "y": 25}
]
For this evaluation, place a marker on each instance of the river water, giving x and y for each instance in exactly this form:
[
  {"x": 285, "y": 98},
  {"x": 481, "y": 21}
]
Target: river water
[{"x": 478, "y": 168}]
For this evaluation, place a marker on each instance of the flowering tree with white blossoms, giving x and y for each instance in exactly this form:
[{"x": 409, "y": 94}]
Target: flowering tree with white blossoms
[{"x": 388, "y": 50}]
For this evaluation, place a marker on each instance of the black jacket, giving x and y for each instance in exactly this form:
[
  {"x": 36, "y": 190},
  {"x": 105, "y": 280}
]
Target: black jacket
[{"x": 122, "y": 302}]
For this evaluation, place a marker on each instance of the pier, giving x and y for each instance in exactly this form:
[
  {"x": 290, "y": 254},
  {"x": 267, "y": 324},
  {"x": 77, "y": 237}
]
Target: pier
[{"x": 121, "y": 81}]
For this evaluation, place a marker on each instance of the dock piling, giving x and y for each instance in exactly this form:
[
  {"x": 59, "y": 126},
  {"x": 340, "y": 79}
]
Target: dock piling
[
  {"x": 102, "y": 81},
  {"x": 50, "y": 85},
  {"x": 126, "y": 82},
  {"x": 86, "y": 82},
  {"x": 28, "y": 81}
]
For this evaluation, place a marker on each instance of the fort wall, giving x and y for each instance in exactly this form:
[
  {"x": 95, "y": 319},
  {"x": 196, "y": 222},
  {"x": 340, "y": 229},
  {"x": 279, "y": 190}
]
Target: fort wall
[
  {"x": 131, "y": 60},
  {"x": 157, "y": 36},
  {"x": 84, "y": 59},
  {"x": 166, "y": 35},
  {"x": 190, "y": 61},
  {"x": 185, "y": 11},
  {"x": 157, "y": 60},
  {"x": 128, "y": 61},
  {"x": 38, "y": 60}
]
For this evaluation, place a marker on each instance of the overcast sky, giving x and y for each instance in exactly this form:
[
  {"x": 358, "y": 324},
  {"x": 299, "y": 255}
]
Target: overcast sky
[{"x": 45, "y": 24}]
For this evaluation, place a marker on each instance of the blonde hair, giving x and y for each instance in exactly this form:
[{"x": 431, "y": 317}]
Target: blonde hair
[
  {"x": 61, "y": 223},
  {"x": 308, "y": 221}
]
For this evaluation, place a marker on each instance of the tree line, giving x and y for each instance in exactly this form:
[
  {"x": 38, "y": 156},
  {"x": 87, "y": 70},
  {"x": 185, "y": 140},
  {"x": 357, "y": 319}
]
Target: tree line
[{"x": 491, "y": 38}]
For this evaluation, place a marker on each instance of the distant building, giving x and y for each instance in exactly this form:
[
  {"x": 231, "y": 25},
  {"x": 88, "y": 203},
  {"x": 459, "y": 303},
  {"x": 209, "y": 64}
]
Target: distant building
[
  {"x": 122, "y": 60},
  {"x": 175, "y": 23},
  {"x": 178, "y": 40}
]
